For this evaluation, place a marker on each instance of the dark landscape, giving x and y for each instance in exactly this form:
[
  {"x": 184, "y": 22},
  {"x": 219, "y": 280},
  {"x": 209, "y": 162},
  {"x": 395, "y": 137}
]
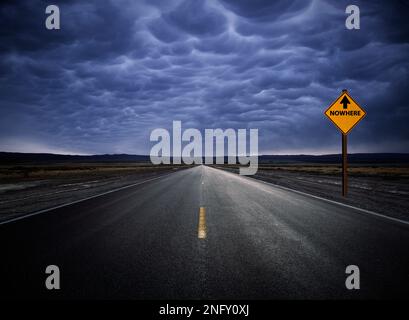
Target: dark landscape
[
  {"x": 38, "y": 182},
  {"x": 34, "y": 182}
]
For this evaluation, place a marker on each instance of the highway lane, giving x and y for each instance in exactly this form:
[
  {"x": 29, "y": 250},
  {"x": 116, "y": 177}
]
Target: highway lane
[{"x": 261, "y": 242}]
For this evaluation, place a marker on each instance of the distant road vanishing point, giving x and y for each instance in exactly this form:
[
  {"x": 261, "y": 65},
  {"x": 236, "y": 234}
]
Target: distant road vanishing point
[{"x": 204, "y": 233}]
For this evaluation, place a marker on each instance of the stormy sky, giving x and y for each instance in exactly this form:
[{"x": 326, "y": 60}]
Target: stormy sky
[{"x": 118, "y": 69}]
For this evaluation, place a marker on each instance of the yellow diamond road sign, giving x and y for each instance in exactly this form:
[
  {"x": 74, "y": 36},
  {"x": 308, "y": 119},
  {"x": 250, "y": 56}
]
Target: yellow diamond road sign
[{"x": 345, "y": 113}]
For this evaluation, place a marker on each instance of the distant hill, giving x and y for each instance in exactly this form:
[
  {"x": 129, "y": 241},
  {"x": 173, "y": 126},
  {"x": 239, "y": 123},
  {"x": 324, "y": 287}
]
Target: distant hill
[
  {"x": 336, "y": 158},
  {"x": 44, "y": 158},
  {"x": 16, "y": 157}
]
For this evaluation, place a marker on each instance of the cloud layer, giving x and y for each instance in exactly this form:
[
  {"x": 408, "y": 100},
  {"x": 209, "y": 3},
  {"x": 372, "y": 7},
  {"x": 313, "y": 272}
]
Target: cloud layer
[{"x": 118, "y": 69}]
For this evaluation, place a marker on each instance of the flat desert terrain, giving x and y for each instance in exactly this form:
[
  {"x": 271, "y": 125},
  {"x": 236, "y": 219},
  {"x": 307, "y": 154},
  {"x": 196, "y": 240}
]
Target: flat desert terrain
[
  {"x": 382, "y": 188},
  {"x": 29, "y": 188}
]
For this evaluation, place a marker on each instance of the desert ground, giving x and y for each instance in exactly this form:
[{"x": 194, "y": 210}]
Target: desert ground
[
  {"x": 29, "y": 188},
  {"x": 383, "y": 188}
]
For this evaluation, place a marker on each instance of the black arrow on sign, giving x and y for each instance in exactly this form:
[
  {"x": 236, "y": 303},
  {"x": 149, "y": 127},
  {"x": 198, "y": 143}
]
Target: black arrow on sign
[{"x": 345, "y": 102}]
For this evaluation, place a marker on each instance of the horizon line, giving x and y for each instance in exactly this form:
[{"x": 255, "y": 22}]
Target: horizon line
[{"x": 146, "y": 155}]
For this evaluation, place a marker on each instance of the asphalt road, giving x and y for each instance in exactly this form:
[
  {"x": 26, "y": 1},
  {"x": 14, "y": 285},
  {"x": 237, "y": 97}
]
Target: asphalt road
[{"x": 261, "y": 242}]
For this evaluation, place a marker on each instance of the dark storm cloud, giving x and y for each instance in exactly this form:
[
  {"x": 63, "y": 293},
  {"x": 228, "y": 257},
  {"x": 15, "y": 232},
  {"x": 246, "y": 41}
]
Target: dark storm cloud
[
  {"x": 194, "y": 17},
  {"x": 119, "y": 69},
  {"x": 266, "y": 9}
]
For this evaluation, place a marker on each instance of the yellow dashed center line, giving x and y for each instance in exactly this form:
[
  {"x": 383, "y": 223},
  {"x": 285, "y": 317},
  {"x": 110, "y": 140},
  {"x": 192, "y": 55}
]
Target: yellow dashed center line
[{"x": 202, "y": 223}]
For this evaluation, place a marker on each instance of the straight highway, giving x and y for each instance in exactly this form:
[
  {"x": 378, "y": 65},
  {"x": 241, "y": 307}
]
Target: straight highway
[{"x": 204, "y": 233}]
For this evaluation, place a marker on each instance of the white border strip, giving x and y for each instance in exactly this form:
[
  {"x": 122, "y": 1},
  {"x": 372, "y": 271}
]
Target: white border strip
[
  {"x": 81, "y": 200},
  {"x": 379, "y": 215}
]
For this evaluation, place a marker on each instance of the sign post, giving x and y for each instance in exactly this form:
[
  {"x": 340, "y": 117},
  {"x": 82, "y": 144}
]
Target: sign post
[
  {"x": 345, "y": 113},
  {"x": 344, "y": 165}
]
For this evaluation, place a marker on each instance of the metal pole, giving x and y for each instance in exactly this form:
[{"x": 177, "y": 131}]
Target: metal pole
[{"x": 344, "y": 165}]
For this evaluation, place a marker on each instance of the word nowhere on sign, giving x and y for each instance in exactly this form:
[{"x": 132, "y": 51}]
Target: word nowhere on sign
[{"x": 345, "y": 113}]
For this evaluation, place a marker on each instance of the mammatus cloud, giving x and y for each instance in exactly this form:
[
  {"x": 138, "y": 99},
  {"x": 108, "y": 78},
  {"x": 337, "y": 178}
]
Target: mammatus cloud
[{"x": 119, "y": 69}]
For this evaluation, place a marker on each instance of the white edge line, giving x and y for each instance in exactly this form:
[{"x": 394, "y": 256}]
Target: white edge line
[
  {"x": 326, "y": 200},
  {"x": 80, "y": 200}
]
